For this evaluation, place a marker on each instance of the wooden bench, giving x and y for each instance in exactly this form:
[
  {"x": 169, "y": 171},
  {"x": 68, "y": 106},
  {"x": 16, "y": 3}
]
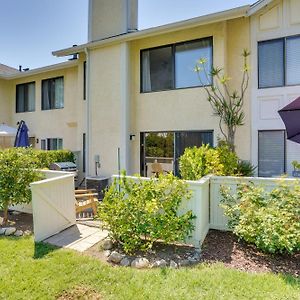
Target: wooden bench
[{"x": 86, "y": 199}]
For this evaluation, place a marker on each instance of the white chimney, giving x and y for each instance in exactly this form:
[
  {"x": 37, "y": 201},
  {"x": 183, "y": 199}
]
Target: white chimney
[{"x": 109, "y": 18}]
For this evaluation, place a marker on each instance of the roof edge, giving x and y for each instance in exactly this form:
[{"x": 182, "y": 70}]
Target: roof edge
[
  {"x": 233, "y": 13},
  {"x": 258, "y": 6},
  {"x": 59, "y": 66}
]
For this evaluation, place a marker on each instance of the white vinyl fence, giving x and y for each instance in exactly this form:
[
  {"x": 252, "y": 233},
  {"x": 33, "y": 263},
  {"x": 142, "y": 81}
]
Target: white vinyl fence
[
  {"x": 53, "y": 204},
  {"x": 198, "y": 204},
  {"x": 217, "y": 218}
]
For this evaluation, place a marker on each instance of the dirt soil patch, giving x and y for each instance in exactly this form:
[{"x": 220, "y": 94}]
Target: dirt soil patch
[
  {"x": 80, "y": 292},
  {"x": 21, "y": 221},
  {"x": 220, "y": 246}
]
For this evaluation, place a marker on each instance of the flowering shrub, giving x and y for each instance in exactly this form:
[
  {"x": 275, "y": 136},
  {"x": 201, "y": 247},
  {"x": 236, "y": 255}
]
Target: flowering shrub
[
  {"x": 270, "y": 220},
  {"x": 137, "y": 213}
]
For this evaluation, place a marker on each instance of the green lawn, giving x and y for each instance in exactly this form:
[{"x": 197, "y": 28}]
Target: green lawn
[{"x": 42, "y": 272}]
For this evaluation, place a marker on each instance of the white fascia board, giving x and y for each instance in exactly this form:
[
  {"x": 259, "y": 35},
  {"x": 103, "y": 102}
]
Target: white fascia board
[
  {"x": 258, "y": 6},
  {"x": 190, "y": 23}
]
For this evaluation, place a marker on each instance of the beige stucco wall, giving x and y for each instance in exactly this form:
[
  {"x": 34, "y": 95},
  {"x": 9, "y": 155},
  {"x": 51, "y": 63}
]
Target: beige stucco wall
[
  {"x": 55, "y": 123},
  {"x": 105, "y": 108},
  {"x": 5, "y": 102},
  {"x": 188, "y": 109}
]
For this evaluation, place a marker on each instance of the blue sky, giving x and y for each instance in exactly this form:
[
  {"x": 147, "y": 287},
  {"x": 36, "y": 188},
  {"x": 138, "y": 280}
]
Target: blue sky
[{"x": 31, "y": 29}]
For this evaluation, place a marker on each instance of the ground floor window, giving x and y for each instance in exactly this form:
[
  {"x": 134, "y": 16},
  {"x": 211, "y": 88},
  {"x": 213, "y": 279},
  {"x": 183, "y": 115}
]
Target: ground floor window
[
  {"x": 160, "y": 151},
  {"x": 271, "y": 153},
  {"x": 52, "y": 144}
]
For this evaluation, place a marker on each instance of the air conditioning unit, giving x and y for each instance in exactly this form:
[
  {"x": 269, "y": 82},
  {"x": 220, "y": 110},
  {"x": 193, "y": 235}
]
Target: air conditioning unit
[{"x": 98, "y": 183}]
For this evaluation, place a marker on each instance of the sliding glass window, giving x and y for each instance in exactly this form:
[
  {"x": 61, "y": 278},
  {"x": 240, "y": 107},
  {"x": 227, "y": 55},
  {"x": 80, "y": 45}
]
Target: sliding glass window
[
  {"x": 25, "y": 97},
  {"x": 53, "y": 93},
  {"x": 172, "y": 66}
]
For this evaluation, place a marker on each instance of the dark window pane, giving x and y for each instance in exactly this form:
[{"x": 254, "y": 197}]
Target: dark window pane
[
  {"x": 84, "y": 80},
  {"x": 186, "y": 57},
  {"x": 271, "y": 153},
  {"x": 293, "y": 61},
  {"x": 270, "y": 63},
  {"x": 189, "y": 139},
  {"x": 53, "y": 93},
  {"x": 25, "y": 97},
  {"x": 157, "y": 69}
]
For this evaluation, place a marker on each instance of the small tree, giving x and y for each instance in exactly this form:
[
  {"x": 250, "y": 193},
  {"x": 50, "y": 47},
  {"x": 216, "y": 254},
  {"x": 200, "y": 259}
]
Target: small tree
[
  {"x": 227, "y": 104},
  {"x": 17, "y": 171}
]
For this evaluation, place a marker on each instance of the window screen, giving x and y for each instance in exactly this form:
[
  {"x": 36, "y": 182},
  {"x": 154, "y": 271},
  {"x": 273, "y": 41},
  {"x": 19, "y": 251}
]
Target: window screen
[
  {"x": 293, "y": 61},
  {"x": 271, "y": 153},
  {"x": 271, "y": 63}
]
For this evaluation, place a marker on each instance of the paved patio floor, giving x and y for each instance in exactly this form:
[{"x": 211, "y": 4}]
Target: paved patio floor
[{"x": 78, "y": 237}]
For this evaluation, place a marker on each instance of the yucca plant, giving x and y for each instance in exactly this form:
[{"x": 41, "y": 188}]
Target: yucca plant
[{"x": 227, "y": 104}]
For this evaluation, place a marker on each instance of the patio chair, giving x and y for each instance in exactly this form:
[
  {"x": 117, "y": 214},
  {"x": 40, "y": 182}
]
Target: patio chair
[{"x": 86, "y": 199}]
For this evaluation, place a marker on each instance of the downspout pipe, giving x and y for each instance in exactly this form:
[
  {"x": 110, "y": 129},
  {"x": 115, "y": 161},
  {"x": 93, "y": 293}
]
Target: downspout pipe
[{"x": 88, "y": 109}]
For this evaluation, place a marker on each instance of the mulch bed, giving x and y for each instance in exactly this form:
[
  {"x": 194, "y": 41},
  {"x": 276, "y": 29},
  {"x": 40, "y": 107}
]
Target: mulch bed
[
  {"x": 21, "y": 221},
  {"x": 220, "y": 246}
]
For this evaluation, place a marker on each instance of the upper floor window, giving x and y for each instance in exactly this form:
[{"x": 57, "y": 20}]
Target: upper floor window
[
  {"x": 25, "y": 97},
  {"x": 172, "y": 67},
  {"x": 279, "y": 62},
  {"x": 53, "y": 93}
]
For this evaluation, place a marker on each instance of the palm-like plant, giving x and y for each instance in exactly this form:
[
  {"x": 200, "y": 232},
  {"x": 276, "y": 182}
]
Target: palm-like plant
[{"x": 226, "y": 104}]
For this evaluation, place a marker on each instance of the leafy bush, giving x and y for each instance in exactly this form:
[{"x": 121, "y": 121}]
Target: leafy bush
[
  {"x": 45, "y": 158},
  {"x": 198, "y": 162},
  {"x": 137, "y": 213},
  {"x": 17, "y": 167},
  {"x": 270, "y": 220},
  {"x": 245, "y": 168}
]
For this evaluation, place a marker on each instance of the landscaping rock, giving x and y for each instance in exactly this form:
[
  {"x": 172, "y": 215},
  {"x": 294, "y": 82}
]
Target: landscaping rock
[
  {"x": 140, "y": 263},
  {"x": 27, "y": 232},
  {"x": 125, "y": 262},
  {"x": 173, "y": 264},
  {"x": 2, "y": 231},
  {"x": 10, "y": 230},
  {"x": 106, "y": 253},
  {"x": 107, "y": 244},
  {"x": 161, "y": 263},
  {"x": 18, "y": 233},
  {"x": 115, "y": 257},
  {"x": 184, "y": 263},
  {"x": 1, "y": 221},
  {"x": 16, "y": 213}
]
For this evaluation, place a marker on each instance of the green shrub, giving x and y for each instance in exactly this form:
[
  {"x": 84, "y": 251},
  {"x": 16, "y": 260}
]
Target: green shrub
[
  {"x": 137, "y": 213},
  {"x": 17, "y": 171},
  {"x": 270, "y": 220},
  {"x": 45, "y": 158},
  {"x": 221, "y": 161},
  {"x": 245, "y": 168}
]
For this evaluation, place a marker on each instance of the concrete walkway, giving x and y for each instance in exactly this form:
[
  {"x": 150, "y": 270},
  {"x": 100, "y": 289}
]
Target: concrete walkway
[{"x": 78, "y": 237}]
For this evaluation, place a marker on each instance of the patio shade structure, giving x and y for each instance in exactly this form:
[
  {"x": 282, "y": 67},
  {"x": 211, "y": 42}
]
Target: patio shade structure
[
  {"x": 290, "y": 116},
  {"x": 7, "y": 135},
  {"x": 22, "y": 139}
]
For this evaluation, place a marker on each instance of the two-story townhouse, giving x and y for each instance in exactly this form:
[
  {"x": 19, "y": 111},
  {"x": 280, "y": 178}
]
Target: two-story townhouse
[
  {"x": 142, "y": 87},
  {"x": 51, "y": 101},
  {"x": 143, "y": 99}
]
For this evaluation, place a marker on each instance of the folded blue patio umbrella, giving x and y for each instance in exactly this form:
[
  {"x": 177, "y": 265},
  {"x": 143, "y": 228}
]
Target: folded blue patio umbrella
[{"x": 22, "y": 139}]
